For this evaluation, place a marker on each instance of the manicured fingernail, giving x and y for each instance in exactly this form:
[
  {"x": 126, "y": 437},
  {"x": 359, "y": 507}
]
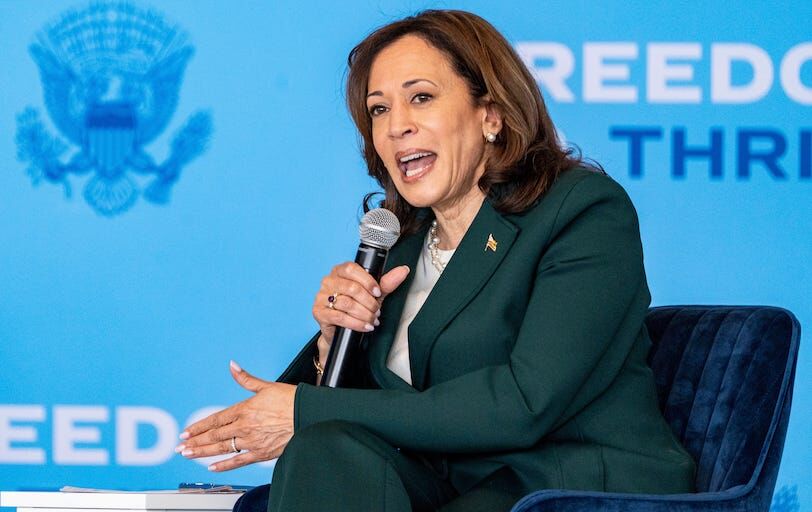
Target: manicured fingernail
[
  {"x": 368, "y": 327},
  {"x": 377, "y": 322},
  {"x": 376, "y": 291},
  {"x": 187, "y": 452},
  {"x": 179, "y": 448},
  {"x": 378, "y": 313},
  {"x": 184, "y": 435},
  {"x": 213, "y": 467},
  {"x": 234, "y": 366}
]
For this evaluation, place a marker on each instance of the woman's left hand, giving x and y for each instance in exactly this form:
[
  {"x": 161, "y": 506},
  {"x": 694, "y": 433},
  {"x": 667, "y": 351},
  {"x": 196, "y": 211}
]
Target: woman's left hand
[{"x": 262, "y": 425}]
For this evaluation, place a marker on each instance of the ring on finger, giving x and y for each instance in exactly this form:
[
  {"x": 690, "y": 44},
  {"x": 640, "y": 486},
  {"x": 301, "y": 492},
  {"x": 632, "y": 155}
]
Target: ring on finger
[
  {"x": 331, "y": 300},
  {"x": 234, "y": 445}
]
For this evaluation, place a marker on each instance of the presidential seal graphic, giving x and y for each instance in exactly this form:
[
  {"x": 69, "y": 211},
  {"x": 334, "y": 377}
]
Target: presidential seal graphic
[{"x": 111, "y": 75}]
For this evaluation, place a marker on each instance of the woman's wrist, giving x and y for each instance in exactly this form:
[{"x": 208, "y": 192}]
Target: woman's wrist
[
  {"x": 323, "y": 347},
  {"x": 320, "y": 357}
]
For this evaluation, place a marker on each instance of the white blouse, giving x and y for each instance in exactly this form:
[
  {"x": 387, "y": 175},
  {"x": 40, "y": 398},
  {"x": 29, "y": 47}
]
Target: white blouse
[{"x": 425, "y": 277}]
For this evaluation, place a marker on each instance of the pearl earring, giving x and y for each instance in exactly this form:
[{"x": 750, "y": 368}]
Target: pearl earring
[{"x": 490, "y": 137}]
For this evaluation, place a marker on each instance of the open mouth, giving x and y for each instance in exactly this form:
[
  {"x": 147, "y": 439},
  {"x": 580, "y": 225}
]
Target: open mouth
[{"x": 416, "y": 163}]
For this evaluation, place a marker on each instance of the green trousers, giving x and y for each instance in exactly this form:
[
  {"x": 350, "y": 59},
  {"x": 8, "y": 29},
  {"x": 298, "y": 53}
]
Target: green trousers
[{"x": 341, "y": 466}]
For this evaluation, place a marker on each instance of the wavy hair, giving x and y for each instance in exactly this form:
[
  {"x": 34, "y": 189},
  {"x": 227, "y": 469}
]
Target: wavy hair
[{"x": 526, "y": 157}]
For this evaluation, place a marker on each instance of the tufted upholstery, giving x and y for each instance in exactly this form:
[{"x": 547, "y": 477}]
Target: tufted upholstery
[{"x": 724, "y": 378}]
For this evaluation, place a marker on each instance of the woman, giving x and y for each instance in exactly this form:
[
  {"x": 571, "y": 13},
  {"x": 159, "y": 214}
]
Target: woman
[{"x": 507, "y": 348}]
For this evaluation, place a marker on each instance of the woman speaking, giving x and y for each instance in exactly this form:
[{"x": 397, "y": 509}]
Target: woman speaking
[{"x": 506, "y": 349}]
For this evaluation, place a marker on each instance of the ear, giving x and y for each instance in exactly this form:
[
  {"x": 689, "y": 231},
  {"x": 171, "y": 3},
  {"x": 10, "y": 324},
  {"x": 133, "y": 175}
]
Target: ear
[{"x": 492, "y": 117}]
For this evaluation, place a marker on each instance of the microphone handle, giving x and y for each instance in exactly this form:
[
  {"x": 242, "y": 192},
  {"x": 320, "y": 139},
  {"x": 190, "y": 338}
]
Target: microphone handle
[{"x": 346, "y": 342}]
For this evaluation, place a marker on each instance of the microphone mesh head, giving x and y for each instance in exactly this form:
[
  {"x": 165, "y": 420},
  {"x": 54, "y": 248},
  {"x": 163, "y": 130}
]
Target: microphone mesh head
[{"x": 379, "y": 228}]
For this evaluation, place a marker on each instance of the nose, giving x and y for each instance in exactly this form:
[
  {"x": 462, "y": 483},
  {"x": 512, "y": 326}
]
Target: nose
[{"x": 401, "y": 122}]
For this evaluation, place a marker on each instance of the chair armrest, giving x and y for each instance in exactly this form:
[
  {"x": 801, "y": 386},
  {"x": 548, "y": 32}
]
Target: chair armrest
[{"x": 576, "y": 501}]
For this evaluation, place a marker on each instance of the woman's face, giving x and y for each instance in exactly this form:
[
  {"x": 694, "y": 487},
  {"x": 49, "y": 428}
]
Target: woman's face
[{"x": 426, "y": 128}]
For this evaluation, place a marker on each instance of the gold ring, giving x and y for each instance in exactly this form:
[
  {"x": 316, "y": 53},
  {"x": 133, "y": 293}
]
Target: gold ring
[{"x": 331, "y": 300}]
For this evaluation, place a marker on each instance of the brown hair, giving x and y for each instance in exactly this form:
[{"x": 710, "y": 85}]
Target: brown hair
[{"x": 526, "y": 157}]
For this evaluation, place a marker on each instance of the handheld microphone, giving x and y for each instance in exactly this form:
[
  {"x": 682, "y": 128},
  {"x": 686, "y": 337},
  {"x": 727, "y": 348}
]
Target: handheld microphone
[{"x": 379, "y": 231}]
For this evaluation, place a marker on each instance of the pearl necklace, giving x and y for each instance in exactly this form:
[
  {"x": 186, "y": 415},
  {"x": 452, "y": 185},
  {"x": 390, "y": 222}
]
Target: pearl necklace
[{"x": 434, "y": 240}]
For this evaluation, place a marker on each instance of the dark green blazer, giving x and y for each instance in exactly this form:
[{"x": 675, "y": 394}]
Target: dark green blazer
[{"x": 528, "y": 361}]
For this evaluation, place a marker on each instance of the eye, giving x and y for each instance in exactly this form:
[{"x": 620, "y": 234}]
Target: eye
[
  {"x": 422, "y": 97},
  {"x": 376, "y": 110}
]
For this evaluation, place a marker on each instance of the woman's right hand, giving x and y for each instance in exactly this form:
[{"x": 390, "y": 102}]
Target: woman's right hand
[{"x": 358, "y": 298}]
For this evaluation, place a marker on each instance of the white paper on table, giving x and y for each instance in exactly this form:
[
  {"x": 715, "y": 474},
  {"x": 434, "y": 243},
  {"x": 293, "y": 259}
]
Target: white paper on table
[{"x": 221, "y": 489}]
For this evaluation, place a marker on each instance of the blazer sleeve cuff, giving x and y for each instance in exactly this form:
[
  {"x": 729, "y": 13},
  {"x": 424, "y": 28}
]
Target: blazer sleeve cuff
[{"x": 314, "y": 404}]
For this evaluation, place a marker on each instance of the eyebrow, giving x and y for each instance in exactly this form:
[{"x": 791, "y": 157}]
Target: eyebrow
[{"x": 405, "y": 85}]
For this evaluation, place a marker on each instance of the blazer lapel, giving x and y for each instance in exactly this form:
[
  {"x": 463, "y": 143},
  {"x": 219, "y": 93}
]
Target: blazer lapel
[
  {"x": 481, "y": 250},
  {"x": 405, "y": 252}
]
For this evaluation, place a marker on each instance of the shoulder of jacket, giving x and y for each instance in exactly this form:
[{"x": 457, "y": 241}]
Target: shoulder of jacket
[
  {"x": 587, "y": 183},
  {"x": 574, "y": 191}
]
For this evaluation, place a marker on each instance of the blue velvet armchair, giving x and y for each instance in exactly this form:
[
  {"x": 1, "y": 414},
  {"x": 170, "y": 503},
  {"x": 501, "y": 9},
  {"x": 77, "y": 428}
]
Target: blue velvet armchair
[{"x": 724, "y": 377}]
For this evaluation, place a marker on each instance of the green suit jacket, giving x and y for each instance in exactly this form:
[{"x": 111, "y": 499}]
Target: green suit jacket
[{"x": 528, "y": 361}]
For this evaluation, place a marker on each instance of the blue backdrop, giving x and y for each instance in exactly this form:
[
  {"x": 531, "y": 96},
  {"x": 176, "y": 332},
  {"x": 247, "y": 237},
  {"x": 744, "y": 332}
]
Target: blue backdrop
[{"x": 122, "y": 302}]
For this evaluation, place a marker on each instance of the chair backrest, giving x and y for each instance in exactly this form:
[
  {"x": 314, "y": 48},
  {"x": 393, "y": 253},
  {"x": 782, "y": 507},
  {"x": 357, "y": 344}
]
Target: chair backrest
[{"x": 724, "y": 378}]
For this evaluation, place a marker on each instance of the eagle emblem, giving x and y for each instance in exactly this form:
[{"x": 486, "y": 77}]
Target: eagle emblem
[{"x": 111, "y": 74}]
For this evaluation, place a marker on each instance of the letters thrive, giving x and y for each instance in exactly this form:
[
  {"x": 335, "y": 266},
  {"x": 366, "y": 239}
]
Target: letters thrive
[{"x": 752, "y": 149}]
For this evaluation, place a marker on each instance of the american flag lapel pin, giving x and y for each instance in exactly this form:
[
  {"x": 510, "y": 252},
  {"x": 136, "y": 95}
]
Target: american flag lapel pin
[{"x": 491, "y": 244}]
